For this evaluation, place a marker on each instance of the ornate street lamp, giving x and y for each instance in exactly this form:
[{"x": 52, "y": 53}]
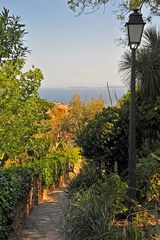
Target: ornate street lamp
[{"x": 135, "y": 27}]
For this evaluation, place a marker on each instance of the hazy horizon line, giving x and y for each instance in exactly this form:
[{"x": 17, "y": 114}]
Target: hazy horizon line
[{"x": 111, "y": 86}]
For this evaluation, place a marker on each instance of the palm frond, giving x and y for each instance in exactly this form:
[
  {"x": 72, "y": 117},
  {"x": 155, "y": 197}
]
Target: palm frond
[{"x": 147, "y": 65}]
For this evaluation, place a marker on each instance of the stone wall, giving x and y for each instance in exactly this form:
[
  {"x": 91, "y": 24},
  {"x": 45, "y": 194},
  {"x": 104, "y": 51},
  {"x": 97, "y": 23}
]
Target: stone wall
[{"x": 25, "y": 206}]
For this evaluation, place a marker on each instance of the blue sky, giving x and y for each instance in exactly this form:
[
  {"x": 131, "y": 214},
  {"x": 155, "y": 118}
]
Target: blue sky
[{"x": 70, "y": 51}]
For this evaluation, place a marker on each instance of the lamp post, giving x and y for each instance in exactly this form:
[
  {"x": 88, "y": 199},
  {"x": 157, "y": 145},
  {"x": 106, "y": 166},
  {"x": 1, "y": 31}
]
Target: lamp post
[{"x": 135, "y": 27}]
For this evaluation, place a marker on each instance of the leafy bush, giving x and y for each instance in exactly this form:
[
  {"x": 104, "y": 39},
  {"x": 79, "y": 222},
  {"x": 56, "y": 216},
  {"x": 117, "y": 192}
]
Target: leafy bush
[
  {"x": 52, "y": 167},
  {"x": 148, "y": 127},
  {"x": 87, "y": 176},
  {"x": 23, "y": 112},
  {"x": 15, "y": 184},
  {"x": 91, "y": 211},
  {"x": 72, "y": 154},
  {"x": 97, "y": 203},
  {"x": 131, "y": 232},
  {"x": 148, "y": 175},
  {"x": 49, "y": 169},
  {"x": 105, "y": 138}
]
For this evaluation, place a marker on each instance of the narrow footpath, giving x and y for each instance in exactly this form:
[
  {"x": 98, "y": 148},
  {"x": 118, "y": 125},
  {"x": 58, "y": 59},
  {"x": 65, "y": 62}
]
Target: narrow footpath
[{"x": 46, "y": 220}]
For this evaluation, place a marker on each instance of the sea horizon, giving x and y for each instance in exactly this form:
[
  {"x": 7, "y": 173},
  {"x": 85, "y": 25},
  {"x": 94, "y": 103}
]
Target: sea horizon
[{"x": 65, "y": 94}]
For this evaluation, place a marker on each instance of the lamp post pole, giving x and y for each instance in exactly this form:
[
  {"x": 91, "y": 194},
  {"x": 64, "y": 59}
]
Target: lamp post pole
[
  {"x": 135, "y": 27},
  {"x": 132, "y": 135}
]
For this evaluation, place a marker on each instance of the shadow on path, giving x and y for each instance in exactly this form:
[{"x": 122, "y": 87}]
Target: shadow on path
[{"x": 46, "y": 220}]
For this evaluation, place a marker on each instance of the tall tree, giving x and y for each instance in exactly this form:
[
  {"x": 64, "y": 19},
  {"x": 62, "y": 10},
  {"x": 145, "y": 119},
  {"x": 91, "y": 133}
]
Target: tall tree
[
  {"x": 147, "y": 65},
  {"x": 121, "y": 8},
  {"x": 12, "y": 34},
  {"x": 74, "y": 119},
  {"x": 79, "y": 113},
  {"x": 21, "y": 115}
]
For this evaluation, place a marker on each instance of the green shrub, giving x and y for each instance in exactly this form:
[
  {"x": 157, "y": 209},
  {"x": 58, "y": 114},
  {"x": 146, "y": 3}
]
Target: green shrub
[
  {"x": 15, "y": 184},
  {"x": 105, "y": 138},
  {"x": 132, "y": 232},
  {"x": 95, "y": 205},
  {"x": 90, "y": 212},
  {"x": 72, "y": 154},
  {"x": 49, "y": 169},
  {"x": 87, "y": 176},
  {"x": 148, "y": 175},
  {"x": 52, "y": 167}
]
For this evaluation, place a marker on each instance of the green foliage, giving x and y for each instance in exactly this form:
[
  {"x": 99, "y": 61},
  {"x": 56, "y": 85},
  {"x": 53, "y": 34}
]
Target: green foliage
[
  {"x": 97, "y": 203},
  {"x": 50, "y": 168},
  {"x": 11, "y": 37},
  {"x": 148, "y": 175},
  {"x": 24, "y": 126},
  {"x": 91, "y": 210},
  {"x": 87, "y": 176},
  {"x": 148, "y": 127},
  {"x": 104, "y": 139},
  {"x": 93, "y": 107},
  {"x": 72, "y": 154},
  {"x": 30, "y": 82},
  {"x": 147, "y": 65},
  {"x": 15, "y": 184},
  {"x": 23, "y": 113},
  {"x": 132, "y": 232},
  {"x": 121, "y": 7},
  {"x": 79, "y": 114},
  {"x": 74, "y": 120}
]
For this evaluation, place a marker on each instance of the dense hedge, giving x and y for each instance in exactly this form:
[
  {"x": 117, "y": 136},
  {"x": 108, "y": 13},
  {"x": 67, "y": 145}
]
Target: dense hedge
[
  {"x": 105, "y": 139},
  {"x": 15, "y": 183},
  {"x": 49, "y": 169}
]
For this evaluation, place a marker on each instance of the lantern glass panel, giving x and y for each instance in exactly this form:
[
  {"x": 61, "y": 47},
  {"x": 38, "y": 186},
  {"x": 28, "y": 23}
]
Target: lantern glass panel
[{"x": 135, "y": 33}]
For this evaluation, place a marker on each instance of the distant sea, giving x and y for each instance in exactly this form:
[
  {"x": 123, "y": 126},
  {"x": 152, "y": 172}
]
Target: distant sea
[{"x": 64, "y": 95}]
